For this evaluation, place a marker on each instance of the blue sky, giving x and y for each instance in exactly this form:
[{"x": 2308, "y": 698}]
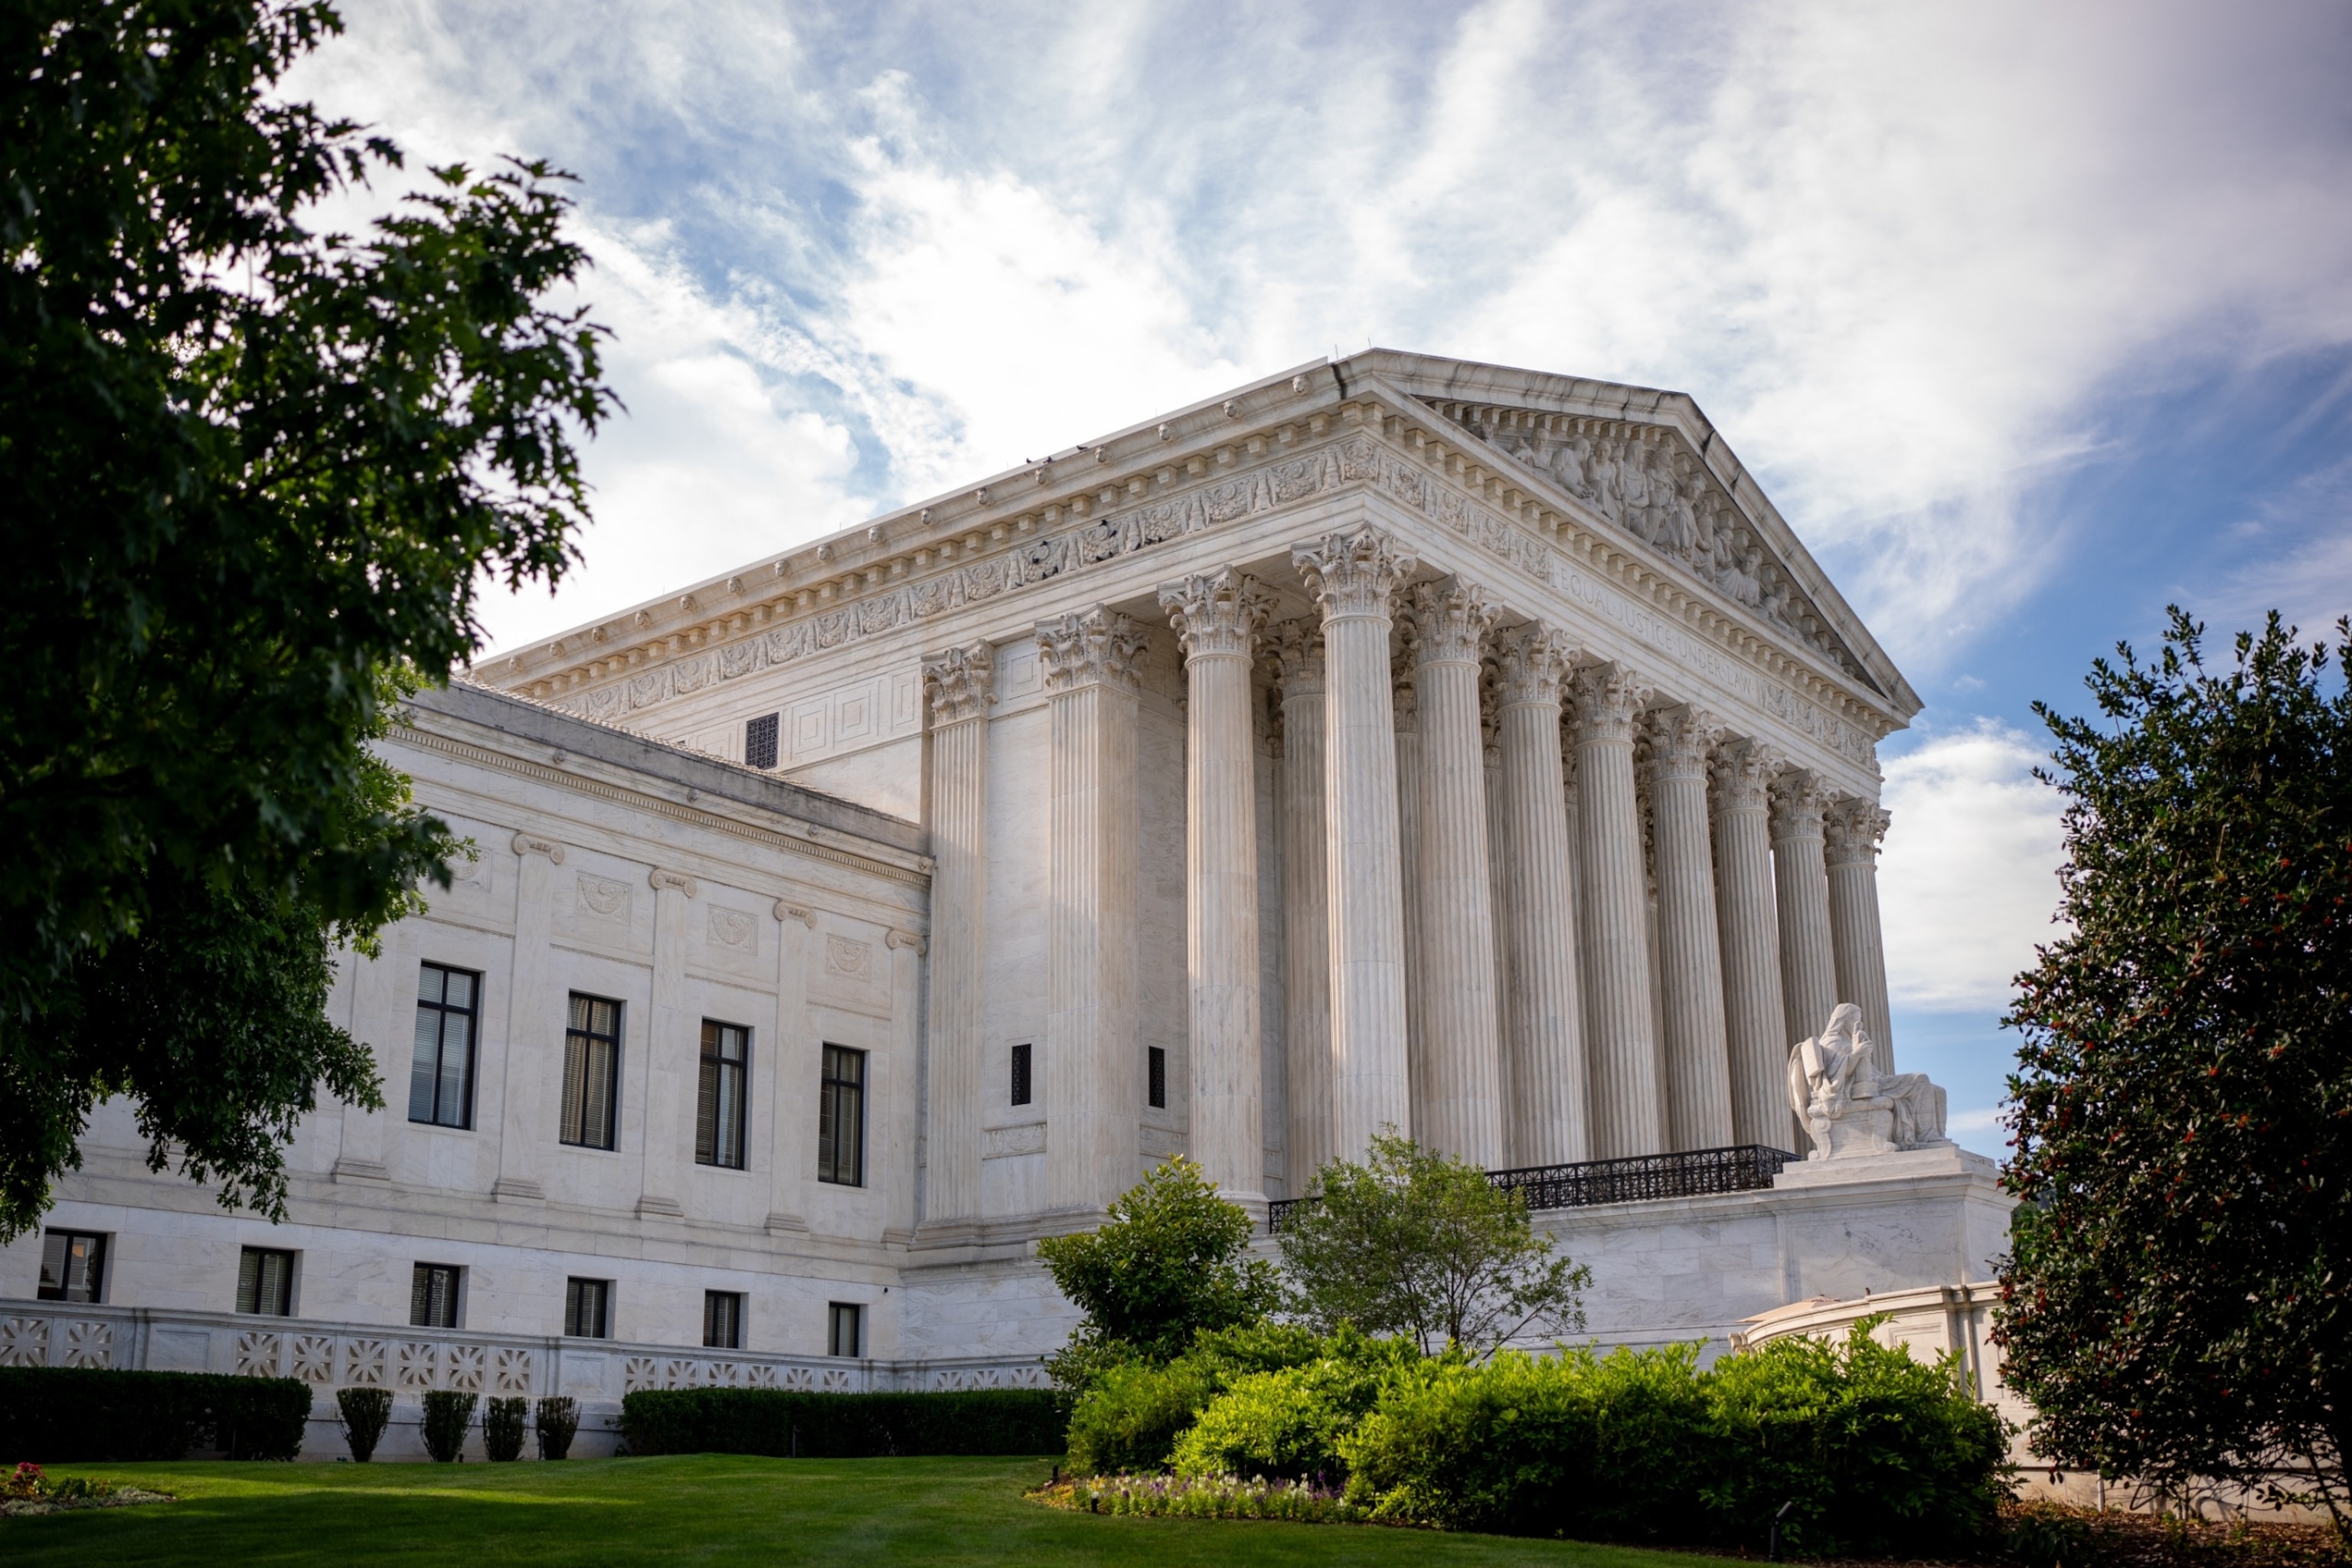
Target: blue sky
[{"x": 2032, "y": 318}]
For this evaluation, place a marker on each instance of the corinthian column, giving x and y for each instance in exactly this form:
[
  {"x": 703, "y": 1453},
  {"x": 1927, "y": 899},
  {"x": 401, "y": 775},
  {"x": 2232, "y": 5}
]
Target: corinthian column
[
  {"x": 1621, "y": 1033},
  {"x": 1748, "y": 925},
  {"x": 1462, "y": 1045},
  {"x": 1808, "y": 971},
  {"x": 1545, "y": 1048},
  {"x": 1407, "y": 699},
  {"x": 1352, "y": 577},
  {"x": 960, "y": 684},
  {"x": 1690, "y": 958},
  {"x": 1093, "y": 1073},
  {"x": 1855, "y": 828},
  {"x": 1307, "y": 939},
  {"x": 1217, "y": 616}
]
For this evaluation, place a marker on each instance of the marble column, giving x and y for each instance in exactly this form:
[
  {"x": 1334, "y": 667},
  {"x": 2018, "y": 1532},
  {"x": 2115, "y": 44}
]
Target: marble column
[
  {"x": 793, "y": 1061},
  {"x": 1217, "y": 616},
  {"x": 1621, "y": 1032},
  {"x": 1352, "y": 577},
  {"x": 1092, "y": 1071},
  {"x": 1808, "y": 970},
  {"x": 1452, "y": 882},
  {"x": 1550, "y": 1124},
  {"x": 1499, "y": 874},
  {"x": 1306, "y": 934},
  {"x": 1407, "y": 701},
  {"x": 960, "y": 684},
  {"x": 1690, "y": 955},
  {"x": 669, "y": 1053},
  {"x": 1853, "y": 828},
  {"x": 1747, "y": 923},
  {"x": 534, "y": 1056}
]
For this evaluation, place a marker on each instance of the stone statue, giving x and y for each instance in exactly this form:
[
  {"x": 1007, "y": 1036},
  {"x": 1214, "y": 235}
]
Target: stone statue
[{"x": 1847, "y": 1105}]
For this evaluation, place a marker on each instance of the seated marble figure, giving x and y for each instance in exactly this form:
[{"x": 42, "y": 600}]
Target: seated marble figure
[{"x": 1847, "y": 1105}]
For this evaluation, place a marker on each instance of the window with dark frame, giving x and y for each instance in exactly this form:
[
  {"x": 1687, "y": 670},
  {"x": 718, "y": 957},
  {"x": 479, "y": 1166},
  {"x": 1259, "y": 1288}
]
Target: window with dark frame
[
  {"x": 760, "y": 740},
  {"x": 265, "y": 1282},
  {"x": 718, "y": 1112},
  {"x": 1156, "y": 1076},
  {"x": 588, "y": 1309},
  {"x": 722, "y": 1320},
  {"x": 432, "y": 1296},
  {"x": 73, "y": 1267},
  {"x": 845, "y": 1329},
  {"x": 441, "y": 1075},
  {"x": 1021, "y": 1075},
  {"x": 841, "y": 1117},
  {"x": 591, "y": 1072}
]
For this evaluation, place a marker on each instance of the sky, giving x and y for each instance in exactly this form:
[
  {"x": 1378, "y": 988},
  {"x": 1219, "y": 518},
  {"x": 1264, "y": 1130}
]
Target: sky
[{"x": 2032, "y": 320}]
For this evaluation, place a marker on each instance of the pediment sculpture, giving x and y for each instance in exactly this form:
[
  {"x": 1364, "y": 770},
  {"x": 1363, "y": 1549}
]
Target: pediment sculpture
[{"x": 1849, "y": 1107}]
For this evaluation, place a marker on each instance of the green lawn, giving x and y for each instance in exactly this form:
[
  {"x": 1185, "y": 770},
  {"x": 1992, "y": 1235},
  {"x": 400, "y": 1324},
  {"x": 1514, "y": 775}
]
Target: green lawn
[{"x": 700, "y": 1510}]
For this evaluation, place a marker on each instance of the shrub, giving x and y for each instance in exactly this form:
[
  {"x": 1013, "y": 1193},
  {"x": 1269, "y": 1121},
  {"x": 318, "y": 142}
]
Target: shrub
[
  {"x": 502, "y": 1426},
  {"x": 783, "y": 1424},
  {"x": 448, "y": 1414},
  {"x": 559, "y": 1423},
  {"x": 1209, "y": 1497},
  {"x": 1131, "y": 1413},
  {"x": 80, "y": 1414},
  {"x": 1287, "y": 1425},
  {"x": 366, "y": 1413}
]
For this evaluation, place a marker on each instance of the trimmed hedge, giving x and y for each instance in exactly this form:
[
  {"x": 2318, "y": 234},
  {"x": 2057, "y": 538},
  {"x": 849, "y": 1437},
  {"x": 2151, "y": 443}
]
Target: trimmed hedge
[
  {"x": 780, "y": 1424},
  {"x": 62, "y": 1415}
]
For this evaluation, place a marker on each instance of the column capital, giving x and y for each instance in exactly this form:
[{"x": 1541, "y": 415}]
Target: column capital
[
  {"x": 1798, "y": 797},
  {"x": 529, "y": 843},
  {"x": 1090, "y": 647},
  {"x": 1742, "y": 775},
  {"x": 1608, "y": 696},
  {"x": 1450, "y": 620},
  {"x": 1298, "y": 656},
  {"x": 1352, "y": 573},
  {"x": 1681, "y": 741},
  {"x": 662, "y": 881},
  {"x": 960, "y": 683},
  {"x": 1216, "y": 613},
  {"x": 1531, "y": 664},
  {"x": 1851, "y": 828}
]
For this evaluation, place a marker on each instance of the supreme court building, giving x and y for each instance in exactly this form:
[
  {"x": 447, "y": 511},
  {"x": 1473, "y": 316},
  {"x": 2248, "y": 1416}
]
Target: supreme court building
[{"x": 1394, "y": 743}]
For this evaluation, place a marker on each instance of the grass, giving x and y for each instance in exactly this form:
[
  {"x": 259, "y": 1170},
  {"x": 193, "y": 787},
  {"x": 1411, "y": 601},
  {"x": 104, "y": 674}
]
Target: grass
[{"x": 702, "y": 1508}]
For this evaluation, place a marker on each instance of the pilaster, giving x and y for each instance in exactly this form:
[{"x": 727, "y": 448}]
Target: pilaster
[
  {"x": 532, "y": 1057},
  {"x": 958, "y": 685},
  {"x": 671, "y": 1053}
]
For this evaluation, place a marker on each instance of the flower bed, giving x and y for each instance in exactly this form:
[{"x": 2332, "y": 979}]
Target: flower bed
[
  {"x": 27, "y": 1490},
  {"x": 1202, "y": 1497}
]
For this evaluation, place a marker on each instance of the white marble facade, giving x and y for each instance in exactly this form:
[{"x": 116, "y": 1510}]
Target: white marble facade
[{"x": 1396, "y": 741}]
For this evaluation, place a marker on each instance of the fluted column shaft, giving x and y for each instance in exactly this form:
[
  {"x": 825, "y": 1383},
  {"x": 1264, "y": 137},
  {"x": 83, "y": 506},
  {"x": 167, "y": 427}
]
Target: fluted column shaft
[
  {"x": 959, "y": 685},
  {"x": 1550, "y": 1124},
  {"x": 1748, "y": 925},
  {"x": 1352, "y": 577},
  {"x": 1094, "y": 1066},
  {"x": 1407, "y": 700},
  {"x": 1451, "y": 881},
  {"x": 1500, "y": 876},
  {"x": 1690, "y": 955},
  {"x": 1217, "y": 616},
  {"x": 1306, "y": 939},
  {"x": 1621, "y": 1034},
  {"x": 1807, "y": 969},
  {"x": 1852, "y": 830}
]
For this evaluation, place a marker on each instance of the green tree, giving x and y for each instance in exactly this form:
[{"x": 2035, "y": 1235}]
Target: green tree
[
  {"x": 2176, "y": 1305},
  {"x": 1171, "y": 1261},
  {"x": 1415, "y": 1243},
  {"x": 254, "y": 474}
]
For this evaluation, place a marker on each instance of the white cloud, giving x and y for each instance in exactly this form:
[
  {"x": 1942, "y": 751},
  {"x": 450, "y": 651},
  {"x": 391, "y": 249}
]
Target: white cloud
[{"x": 1967, "y": 879}]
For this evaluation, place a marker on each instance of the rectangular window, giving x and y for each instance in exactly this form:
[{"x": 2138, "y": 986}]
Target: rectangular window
[
  {"x": 441, "y": 1076},
  {"x": 588, "y": 1309},
  {"x": 265, "y": 1282},
  {"x": 1021, "y": 1075},
  {"x": 432, "y": 1296},
  {"x": 760, "y": 741},
  {"x": 841, "y": 1117},
  {"x": 591, "y": 1071},
  {"x": 73, "y": 1267},
  {"x": 1156, "y": 1070},
  {"x": 719, "y": 1114},
  {"x": 845, "y": 1329},
  {"x": 722, "y": 1320}
]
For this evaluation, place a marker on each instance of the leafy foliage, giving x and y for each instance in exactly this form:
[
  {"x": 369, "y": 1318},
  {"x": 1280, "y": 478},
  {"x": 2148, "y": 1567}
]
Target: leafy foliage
[
  {"x": 254, "y": 472},
  {"x": 1130, "y": 1414},
  {"x": 71, "y": 1412},
  {"x": 1170, "y": 1261},
  {"x": 448, "y": 1416},
  {"x": 558, "y": 1420},
  {"x": 1412, "y": 1242},
  {"x": 2176, "y": 1303},
  {"x": 1288, "y": 1425},
  {"x": 503, "y": 1421},
  {"x": 366, "y": 1412},
  {"x": 790, "y": 1423}
]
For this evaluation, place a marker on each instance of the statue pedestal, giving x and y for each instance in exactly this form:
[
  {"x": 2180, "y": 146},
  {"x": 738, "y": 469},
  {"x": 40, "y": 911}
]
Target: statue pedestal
[{"x": 1887, "y": 1164}]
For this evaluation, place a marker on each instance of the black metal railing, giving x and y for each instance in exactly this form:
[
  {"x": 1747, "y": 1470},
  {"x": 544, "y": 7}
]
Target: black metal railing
[{"x": 1694, "y": 1174}]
